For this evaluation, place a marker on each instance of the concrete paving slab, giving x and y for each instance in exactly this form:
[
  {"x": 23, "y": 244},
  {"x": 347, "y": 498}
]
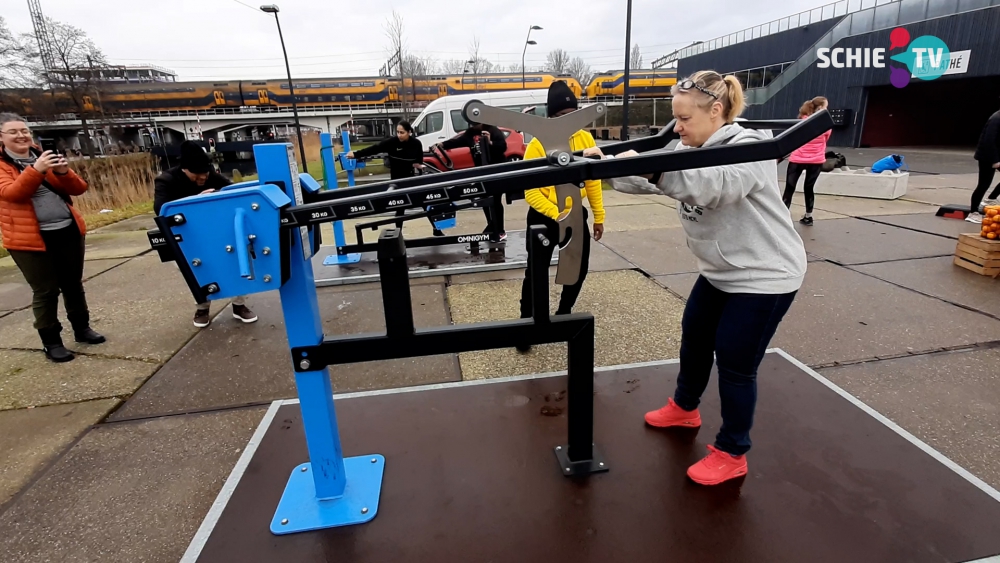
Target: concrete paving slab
[
  {"x": 636, "y": 320},
  {"x": 939, "y": 196},
  {"x": 854, "y": 241},
  {"x": 948, "y": 400},
  {"x": 655, "y": 251},
  {"x": 680, "y": 284},
  {"x": 927, "y": 223},
  {"x": 34, "y": 437},
  {"x": 128, "y": 492},
  {"x": 143, "y": 307},
  {"x": 941, "y": 278},
  {"x": 29, "y": 379},
  {"x": 843, "y": 315},
  {"x": 603, "y": 259},
  {"x": 616, "y": 199},
  {"x": 230, "y": 363},
  {"x": 14, "y": 296},
  {"x": 799, "y": 209},
  {"x": 15, "y": 293},
  {"x": 855, "y": 206},
  {"x": 116, "y": 245},
  {"x": 142, "y": 223},
  {"x": 958, "y": 181},
  {"x": 642, "y": 217}
]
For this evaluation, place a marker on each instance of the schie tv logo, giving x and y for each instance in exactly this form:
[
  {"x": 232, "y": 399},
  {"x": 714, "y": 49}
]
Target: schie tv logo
[{"x": 926, "y": 57}]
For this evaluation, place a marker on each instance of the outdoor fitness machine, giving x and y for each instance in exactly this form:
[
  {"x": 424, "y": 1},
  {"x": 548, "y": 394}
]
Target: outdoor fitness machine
[{"x": 257, "y": 237}]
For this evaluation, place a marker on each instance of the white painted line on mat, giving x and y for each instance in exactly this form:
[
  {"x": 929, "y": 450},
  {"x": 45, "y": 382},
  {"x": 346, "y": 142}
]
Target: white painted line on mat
[
  {"x": 979, "y": 483},
  {"x": 485, "y": 381},
  {"x": 212, "y": 518}
]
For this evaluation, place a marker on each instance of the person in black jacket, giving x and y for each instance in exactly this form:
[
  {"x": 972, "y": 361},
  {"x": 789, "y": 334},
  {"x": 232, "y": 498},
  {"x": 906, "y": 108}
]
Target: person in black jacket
[
  {"x": 988, "y": 155},
  {"x": 404, "y": 154},
  {"x": 474, "y": 138},
  {"x": 195, "y": 176}
]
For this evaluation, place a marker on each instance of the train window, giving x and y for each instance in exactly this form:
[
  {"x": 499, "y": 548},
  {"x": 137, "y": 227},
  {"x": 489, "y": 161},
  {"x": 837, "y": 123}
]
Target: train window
[
  {"x": 458, "y": 122},
  {"x": 258, "y": 83},
  {"x": 432, "y": 123}
]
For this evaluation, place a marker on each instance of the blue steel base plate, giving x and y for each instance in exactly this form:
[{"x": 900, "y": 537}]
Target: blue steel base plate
[
  {"x": 334, "y": 259},
  {"x": 300, "y": 511}
]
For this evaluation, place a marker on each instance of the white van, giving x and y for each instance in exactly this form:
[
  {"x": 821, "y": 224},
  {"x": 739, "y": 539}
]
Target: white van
[{"x": 442, "y": 119}]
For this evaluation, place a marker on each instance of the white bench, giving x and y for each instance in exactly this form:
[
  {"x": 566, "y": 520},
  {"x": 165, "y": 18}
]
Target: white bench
[{"x": 862, "y": 183}]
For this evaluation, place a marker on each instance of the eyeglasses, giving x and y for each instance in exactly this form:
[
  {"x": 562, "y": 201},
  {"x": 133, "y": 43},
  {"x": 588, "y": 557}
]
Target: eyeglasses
[
  {"x": 688, "y": 84},
  {"x": 16, "y": 131}
]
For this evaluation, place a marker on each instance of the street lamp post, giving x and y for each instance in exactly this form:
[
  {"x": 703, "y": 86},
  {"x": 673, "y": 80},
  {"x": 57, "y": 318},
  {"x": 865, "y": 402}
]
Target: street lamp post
[
  {"x": 628, "y": 46},
  {"x": 527, "y": 41},
  {"x": 475, "y": 73},
  {"x": 273, "y": 9}
]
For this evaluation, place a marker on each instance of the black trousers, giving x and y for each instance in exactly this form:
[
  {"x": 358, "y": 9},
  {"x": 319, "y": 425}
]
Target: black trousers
[
  {"x": 494, "y": 215},
  {"x": 986, "y": 173},
  {"x": 59, "y": 269},
  {"x": 795, "y": 170},
  {"x": 570, "y": 292}
]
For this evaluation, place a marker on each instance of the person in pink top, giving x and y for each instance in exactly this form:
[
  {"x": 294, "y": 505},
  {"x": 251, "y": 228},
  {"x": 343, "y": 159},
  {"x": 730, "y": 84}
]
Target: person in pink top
[{"x": 808, "y": 158}]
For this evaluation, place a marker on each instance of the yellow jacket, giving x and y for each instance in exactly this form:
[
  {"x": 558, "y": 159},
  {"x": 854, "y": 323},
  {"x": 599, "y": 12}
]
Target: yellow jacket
[{"x": 544, "y": 200}]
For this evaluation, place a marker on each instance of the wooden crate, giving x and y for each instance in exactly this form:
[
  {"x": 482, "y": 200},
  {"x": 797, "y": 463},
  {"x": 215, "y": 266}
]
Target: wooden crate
[{"x": 978, "y": 254}]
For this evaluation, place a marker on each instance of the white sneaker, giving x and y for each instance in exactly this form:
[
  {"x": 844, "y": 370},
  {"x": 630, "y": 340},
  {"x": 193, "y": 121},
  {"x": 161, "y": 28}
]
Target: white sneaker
[{"x": 974, "y": 218}]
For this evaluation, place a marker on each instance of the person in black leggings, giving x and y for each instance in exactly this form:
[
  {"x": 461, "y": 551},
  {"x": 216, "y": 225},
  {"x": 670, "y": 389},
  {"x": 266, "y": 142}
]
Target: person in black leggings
[
  {"x": 988, "y": 155},
  {"x": 808, "y": 158}
]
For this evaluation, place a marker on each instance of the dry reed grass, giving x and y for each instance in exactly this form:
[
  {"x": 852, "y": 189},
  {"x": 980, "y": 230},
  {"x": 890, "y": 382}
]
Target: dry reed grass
[{"x": 122, "y": 183}]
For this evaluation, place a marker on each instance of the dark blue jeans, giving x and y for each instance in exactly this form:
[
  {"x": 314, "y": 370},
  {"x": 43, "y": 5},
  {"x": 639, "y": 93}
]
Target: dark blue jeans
[{"x": 736, "y": 328}]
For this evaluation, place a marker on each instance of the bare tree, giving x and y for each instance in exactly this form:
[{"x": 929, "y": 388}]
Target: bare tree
[
  {"x": 479, "y": 65},
  {"x": 635, "y": 59},
  {"x": 580, "y": 70},
  {"x": 514, "y": 67},
  {"x": 395, "y": 31},
  {"x": 557, "y": 61},
  {"x": 452, "y": 66},
  {"x": 16, "y": 69},
  {"x": 74, "y": 55}
]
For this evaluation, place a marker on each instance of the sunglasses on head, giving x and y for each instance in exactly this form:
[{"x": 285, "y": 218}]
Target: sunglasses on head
[{"x": 689, "y": 84}]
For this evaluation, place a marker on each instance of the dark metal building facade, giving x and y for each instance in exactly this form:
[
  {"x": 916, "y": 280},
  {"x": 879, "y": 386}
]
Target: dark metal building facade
[{"x": 947, "y": 111}]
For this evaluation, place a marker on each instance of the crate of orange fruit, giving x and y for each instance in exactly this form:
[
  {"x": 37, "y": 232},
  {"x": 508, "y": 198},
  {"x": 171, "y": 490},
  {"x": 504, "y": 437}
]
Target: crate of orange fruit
[{"x": 981, "y": 253}]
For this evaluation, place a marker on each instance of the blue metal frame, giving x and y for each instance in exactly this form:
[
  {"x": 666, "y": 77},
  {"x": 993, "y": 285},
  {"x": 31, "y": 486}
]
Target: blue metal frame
[
  {"x": 330, "y": 178},
  {"x": 337, "y": 486}
]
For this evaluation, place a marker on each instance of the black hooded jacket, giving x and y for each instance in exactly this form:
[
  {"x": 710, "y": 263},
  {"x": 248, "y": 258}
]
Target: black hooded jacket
[
  {"x": 399, "y": 155},
  {"x": 988, "y": 150},
  {"x": 173, "y": 184},
  {"x": 470, "y": 138}
]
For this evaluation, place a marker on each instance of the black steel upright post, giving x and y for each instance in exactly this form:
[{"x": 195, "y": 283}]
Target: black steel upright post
[
  {"x": 581, "y": 394},
  {"x": 628, "y": 48},
  {"x": 395, "y": 278},
  {"x": 539, "y": 272}
]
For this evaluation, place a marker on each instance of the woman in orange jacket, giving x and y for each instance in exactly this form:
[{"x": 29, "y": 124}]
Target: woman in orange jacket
[
  {"x": 545, "y": 211},
  {"x": 44, "y": 234}
]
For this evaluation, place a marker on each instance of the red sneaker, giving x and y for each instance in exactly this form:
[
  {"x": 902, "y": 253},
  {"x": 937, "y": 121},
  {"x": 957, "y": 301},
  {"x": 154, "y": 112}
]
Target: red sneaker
[
  {"x": 673, "y": 415},
  {"x": 717, "y": 466}
]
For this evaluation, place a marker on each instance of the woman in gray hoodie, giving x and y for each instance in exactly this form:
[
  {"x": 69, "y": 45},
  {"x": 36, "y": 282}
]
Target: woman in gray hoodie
[{"x": 751, "y": 264}]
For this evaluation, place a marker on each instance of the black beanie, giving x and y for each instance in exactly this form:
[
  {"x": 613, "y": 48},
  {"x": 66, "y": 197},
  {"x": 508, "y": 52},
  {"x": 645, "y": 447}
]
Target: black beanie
[
  {"x": 194, "y": 159},
  {"x": 560, "y": 98}
]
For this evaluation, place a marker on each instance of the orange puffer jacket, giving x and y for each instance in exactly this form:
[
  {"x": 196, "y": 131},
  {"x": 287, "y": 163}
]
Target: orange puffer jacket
[{"x": 18, "y": 223}]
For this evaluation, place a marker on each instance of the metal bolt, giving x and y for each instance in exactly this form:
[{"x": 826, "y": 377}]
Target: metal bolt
[
  {"x": 252, "y": 237},
  {"x": 304, "y": 364},
  {"x": 266, "y": 251},
  {"x": 600, "y": 109},
  {"x": 254, "y": 206},
  {"x": 267, "y": 278},
  {"x": 475, "y": 112},
  {"x": 364, "y": 510},
  {"x": 304, "y": 469},
  {"x": 374, "y": 460},
  {"x": 602, "y": 464},
  {"x": 196, "y": 262},
  {"x": 566, "y": 470},
  {"x": 212, "y": 288},
  {"x": 582, "y": 185},
  {"x": 284, "y": 521},
  {"x": 563, "y": 159},
  {"x": 229, "y": 248},
  {"x": 558, "y": 448},
  {"x": 178, "y": 218}
]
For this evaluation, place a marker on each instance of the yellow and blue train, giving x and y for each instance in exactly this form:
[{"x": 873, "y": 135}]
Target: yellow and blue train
[
  {"x": 210, "y": 95},
  {"x": 641, "y": 83}
]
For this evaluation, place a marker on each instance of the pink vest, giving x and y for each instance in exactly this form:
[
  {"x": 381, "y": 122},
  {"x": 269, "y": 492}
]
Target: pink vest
[{"x": 813, "y": 152}]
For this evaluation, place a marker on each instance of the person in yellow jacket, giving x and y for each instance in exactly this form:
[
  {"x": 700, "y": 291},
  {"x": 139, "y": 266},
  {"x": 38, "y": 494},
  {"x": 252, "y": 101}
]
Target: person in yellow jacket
[{"x": 545, "y": 211}]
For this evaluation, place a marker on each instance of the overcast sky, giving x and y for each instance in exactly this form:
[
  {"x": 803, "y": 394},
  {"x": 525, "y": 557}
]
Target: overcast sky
[{"x": 227, "y": 39}]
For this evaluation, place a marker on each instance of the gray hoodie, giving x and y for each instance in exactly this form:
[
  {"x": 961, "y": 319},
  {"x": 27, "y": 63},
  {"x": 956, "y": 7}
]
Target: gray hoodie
[{"x": 736, "y": 223}]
